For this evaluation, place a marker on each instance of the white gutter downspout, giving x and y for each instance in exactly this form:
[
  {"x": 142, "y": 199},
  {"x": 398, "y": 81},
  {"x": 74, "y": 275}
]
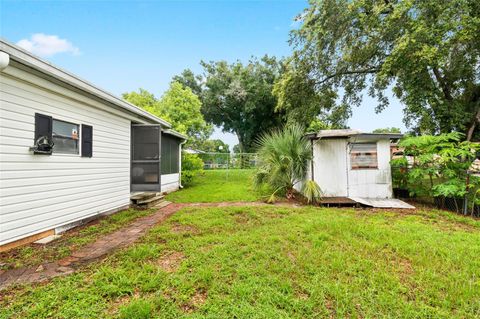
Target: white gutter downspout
[{"x": 180, "y": 165}]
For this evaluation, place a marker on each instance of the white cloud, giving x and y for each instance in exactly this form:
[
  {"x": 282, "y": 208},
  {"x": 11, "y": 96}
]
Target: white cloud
[{"x": 47, "y": 45}]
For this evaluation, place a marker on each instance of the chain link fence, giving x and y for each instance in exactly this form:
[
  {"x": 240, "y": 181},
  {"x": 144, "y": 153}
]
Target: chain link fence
[
  {"x": 421, "y": 191},
  {"x": 229, "y": 160}
]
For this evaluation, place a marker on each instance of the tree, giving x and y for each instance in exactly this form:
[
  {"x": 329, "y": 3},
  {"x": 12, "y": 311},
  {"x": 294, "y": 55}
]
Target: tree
[
  {"x": 143, "y": 99},
  {"x": 214, "y": 146},
  {"x": 387, "y": 130},
  {"x": 426, "y": 51},
  {"x": 239, "y": 98},
  {"x": 284, "y": 156},
  {"x": 188, "y": 79},
  {"x": 179, "y": 106},
  {"x": 236, "y": 149}
]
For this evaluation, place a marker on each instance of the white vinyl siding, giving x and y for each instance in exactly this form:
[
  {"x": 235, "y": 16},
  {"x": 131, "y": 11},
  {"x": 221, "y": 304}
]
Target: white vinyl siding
[
  {"x": 170, "y": 182},
  {"x": 42, "y": 192}
]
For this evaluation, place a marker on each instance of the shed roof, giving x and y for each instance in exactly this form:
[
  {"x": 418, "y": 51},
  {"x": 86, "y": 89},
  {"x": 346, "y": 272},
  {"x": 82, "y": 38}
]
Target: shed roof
[
  {"x": 347, "y": 133},
  {"x": 26, "y": 59}
]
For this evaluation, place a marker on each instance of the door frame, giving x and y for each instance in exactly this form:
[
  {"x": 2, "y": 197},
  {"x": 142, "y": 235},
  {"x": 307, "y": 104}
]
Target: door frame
[{"x": 146, "y": 187}]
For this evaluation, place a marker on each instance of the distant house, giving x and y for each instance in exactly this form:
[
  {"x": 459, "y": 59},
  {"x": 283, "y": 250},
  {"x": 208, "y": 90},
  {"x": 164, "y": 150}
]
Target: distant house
[
  {"x": 193, "y": 151},
  {"x": 71, "y": 151},
  {"x": 354, "y": 166}
]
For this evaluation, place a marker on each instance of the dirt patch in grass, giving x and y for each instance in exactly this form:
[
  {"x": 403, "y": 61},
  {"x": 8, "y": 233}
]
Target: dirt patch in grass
[
  {"x": 243, "y": 218},
  {"x": 405, "y": 272},
  {"x": 197, "y": 300},
  {"x": 117, "y": 303},
  {"x": 302, "y": 295},
  {"x": 405, "y": 269},
  {"x": 330, "y": 305},
  {"x": 184, "y": 229},
  {"x": 170, "y": 261}
]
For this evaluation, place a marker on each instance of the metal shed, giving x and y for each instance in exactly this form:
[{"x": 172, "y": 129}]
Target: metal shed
[{"x": 353, "y": 165}]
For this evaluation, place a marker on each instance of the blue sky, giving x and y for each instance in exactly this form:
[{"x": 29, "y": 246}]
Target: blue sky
[{"x": 124, "y": 45}]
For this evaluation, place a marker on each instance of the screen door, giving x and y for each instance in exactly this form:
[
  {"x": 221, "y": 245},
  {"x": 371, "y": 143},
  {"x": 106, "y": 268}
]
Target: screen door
[{"x": 145, "y": 168}]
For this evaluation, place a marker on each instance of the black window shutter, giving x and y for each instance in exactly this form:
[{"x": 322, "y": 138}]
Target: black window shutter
[
  {"x": 87, "y": 137},
  {"x": 43, "y": 126}
]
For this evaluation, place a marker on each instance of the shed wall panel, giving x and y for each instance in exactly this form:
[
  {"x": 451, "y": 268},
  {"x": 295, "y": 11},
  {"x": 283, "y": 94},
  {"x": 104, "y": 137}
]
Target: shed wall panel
[
  {"x": 372, "y": 183},
  {"x": 330, "y": 167}
]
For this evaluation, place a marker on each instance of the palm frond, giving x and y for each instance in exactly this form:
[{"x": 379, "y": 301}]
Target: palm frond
[
  {"x": 312, "y": 192},
  {"x": 284, "y": 156}
]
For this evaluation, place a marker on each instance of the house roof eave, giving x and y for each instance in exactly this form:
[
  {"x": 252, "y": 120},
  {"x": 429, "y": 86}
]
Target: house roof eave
[{"x": 29, "y": 60}]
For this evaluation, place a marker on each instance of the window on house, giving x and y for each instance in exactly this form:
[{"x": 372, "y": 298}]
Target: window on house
[
  {"x": 65, "y": 137},
  {"x": 363, "y": 155}
]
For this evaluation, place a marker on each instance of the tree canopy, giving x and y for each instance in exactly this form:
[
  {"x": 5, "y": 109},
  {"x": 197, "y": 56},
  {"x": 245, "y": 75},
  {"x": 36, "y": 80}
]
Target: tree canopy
[
  {"x": 387, "y": 130},
  {"x": 215, "y": 146},
  {"x": 189, "y": 79},
  {"x": 427, "y": 52},
  {"x": 238, "y": 97},
  {"x": 179, "y": 106}
]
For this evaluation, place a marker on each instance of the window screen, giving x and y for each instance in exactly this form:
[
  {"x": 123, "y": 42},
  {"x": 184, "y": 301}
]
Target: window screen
[
  {"x": 170, "y": 150},
  {"x": 65, "y": 137},
  {"x": 145, "y": 173},
  {"x": 145, "y": 141},
  {"x": 364, "y": 155}
]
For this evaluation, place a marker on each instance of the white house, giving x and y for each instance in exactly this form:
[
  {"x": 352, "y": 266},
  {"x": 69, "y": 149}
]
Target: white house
[
  {"x": 71, "y": 151},
  {"x": 354, "y": 166}
]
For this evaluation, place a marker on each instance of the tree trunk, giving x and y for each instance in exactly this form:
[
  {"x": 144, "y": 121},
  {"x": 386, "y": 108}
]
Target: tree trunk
[
  {"x": 472, "y": 127},
  {"x": 241, "y": 145}
]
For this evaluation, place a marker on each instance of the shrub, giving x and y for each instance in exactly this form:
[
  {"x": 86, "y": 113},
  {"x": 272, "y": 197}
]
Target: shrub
[
  {"x": 192, "y": 164},
  {"x": 439, "y": 164},
  {"x": 187, "y": 177}
]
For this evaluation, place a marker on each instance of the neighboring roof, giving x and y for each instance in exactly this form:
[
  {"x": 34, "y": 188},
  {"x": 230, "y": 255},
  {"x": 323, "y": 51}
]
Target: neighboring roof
[
  {"x": 347, "y": 133},
  {"x": 190, "y": 151},
  {"x": 338, "y": 133},
  {"x": 176, "y": 134},
  {"x": 23, "y": 57}
]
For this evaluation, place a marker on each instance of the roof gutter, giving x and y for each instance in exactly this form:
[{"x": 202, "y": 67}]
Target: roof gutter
[
  {"x": 176, "y": 134},
  {"x": 23, "y": 57}
]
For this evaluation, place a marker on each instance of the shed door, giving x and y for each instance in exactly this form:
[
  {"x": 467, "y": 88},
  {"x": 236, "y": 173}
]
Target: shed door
[{"x": 145, "y": 157}]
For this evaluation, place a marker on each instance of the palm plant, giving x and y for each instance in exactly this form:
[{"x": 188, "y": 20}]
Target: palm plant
[{"x": 284, "y": 156}]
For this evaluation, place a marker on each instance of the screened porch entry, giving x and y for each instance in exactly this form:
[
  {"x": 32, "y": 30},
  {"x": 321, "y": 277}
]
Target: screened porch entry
[
  {"x": 154, "y": 153},
  {"x": 145, "y": 157}
]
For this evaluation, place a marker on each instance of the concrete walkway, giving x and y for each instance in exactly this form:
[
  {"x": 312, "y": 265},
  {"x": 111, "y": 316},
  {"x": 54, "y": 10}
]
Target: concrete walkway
[{"x": 103, "y": 246}]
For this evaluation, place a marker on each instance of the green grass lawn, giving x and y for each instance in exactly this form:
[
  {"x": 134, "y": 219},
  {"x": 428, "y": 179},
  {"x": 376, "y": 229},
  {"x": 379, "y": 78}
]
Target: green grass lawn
[
  {"x": 276, "y": 262},
  {"x": 218, "y": 186},
  {"x": 71, "y": 240}
]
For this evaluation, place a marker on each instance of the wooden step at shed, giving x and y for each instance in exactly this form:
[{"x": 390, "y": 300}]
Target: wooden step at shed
[
  {"x": 162, "y": 204},
  {"x": 150, "y": 200},
  {"x": 138, "y": 197}
]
